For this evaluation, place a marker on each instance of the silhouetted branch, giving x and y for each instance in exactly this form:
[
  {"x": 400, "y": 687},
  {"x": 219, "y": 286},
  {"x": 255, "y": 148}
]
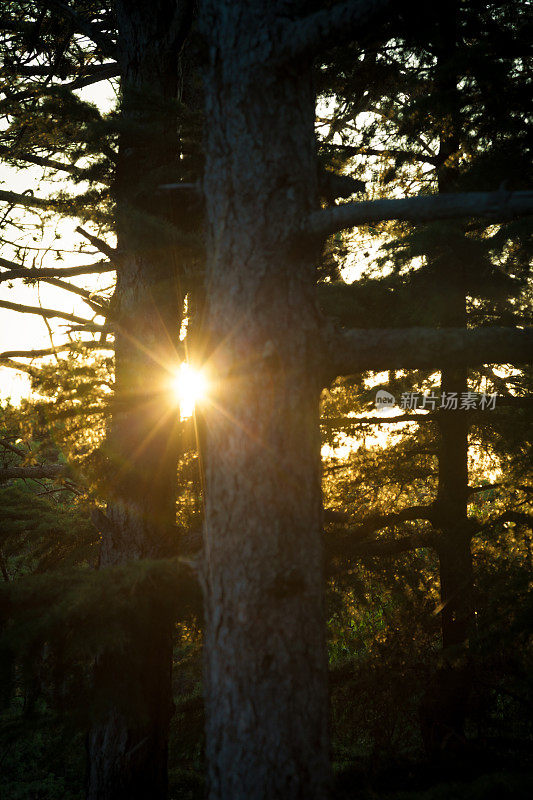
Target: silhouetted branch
[
  {"x": 17, "y": 365},
  {"x": 47, "y": 313},
  {"x": 491, "y": 205},
  {"x": 305, "y": 36},
  {"x": 348, "y": 547},
  {"x": 85, "y": 294},
  {"x": 50, "y": 351},
  {"x": 33, "y": 472},
  {"x": 100, "y": 244},
  {"x": 26, "y": 200},
  {"x": 17, "y": 450},
  {"x": 100, "y": 72},
  {"x": 387, "y": 152},
  {"x": 518, "y": 517},
  {"x": 88, "y": 327},
  {"x": 356, "y": 350},
  {"x": 340, "y": 422},
  {"x": 41, "y": 161},
  {"x": 17, "y": 271},
  {"x": 86, "y": 27},
  {"x": 375, "y": 522}
]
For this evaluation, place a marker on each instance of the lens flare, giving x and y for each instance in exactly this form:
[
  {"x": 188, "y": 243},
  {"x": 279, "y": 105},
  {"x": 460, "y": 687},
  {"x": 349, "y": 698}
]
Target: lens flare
[{"x": 190, "y": 386}]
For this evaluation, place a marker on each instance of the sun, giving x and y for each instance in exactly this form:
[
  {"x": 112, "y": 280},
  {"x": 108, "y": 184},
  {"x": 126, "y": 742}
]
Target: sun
[{"x": 190, "y": 386}]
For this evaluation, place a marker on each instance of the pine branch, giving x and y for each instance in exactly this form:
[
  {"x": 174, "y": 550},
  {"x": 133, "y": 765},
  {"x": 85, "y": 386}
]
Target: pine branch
[
  {"x": 86, "y": 296},
  {"x": 375, "y": 522},
  {"x": 47, "y": 313},
  {"x": 41, "y": 161},
  {"x": 483, "y": 488},
  {"x": 474, "y": 415},
  {"x": 17, "y": 365},
  {"x": 33, "y": 70},
  {"x": 8, "y": 446},
  {"x": 86, "y": 27},
  {"x": 105, "y": 71},
  {"x": 348, "y": 351},
  {"x": 89, "y": 327},
  {"x": 39, "y": 471},
  {"x": 339, "y": 422},
  {"x": 347, "y": 547},
  {"x": 495, "y": 206},
  {"x": 59, "y": 205},
  {"x": 358, "y": 542},
  {"x": 518, "y": 517},
  {"x": 80, "y": 593},
  {"x": 17, "y": 271},
  {"x": 60, "y": 348},
  {"x": 92, "y": 73},
  {"x": 100, "y": 245},
  {"x": 387, "y": 152},
  {"x": 26, "y": 200},
  {"x": 306, "y": 36}
]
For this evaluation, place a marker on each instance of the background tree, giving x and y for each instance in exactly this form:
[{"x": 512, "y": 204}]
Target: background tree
[
  {"x": 431, "y": 97},
  {"x": 51, "y": 51}
]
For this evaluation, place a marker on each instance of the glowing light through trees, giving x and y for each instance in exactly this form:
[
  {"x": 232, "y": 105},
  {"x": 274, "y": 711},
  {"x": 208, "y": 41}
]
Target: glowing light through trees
[{"x": 190, "y": 387}]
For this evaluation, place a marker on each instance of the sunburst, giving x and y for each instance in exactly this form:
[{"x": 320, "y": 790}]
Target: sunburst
[{"x": 190, "y": 387}]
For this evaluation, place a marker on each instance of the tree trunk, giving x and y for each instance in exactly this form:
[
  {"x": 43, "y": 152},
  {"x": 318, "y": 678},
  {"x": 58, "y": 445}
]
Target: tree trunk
[
  {"x": 127, "y": 745},
  {"x": 445, "y": 704},
  {"x": 454, "y": 551},
  {"x": 265, "y": 654}
]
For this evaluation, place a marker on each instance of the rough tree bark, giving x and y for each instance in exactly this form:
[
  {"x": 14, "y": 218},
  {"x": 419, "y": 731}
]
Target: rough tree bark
[
  {"x": 265, "y": 656},
  {"x": 127, "y": 745}
]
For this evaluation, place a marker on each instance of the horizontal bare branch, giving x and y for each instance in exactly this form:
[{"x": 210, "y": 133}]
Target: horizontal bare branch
[
  {"x": 87, "y": 296},
  {"x": 518, "y": 517},
  {"x": 89, "y": 327},
  {"x": 349, "y": 351},
  {"x": 495, "y": 206},
  {"x": 17, "y": 271},
  {"x": 47, "y": 313},
  {"x": 41, "y": 161},
  {"x": 61, "y": 348}
]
